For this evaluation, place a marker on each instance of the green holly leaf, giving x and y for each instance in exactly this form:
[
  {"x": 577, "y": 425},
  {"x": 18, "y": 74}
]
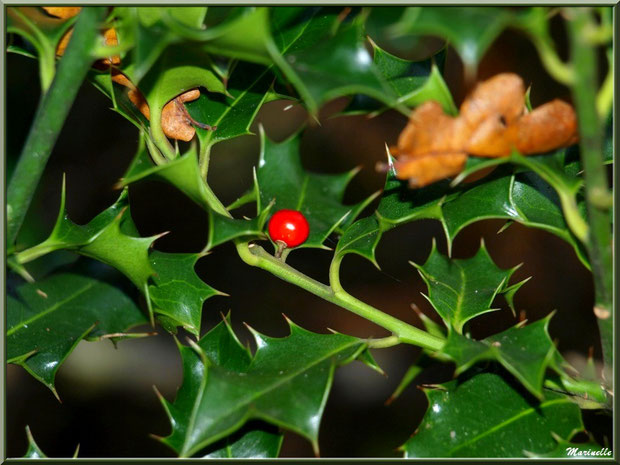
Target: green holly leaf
[
  {"x": 360, "y": 238},
  {"x": 248, "y": 88},
  {"x": 485, "y": 415},
  {"x": 244, "y": 36},
  {"x": 248, "y": 443},
  {"x": 43, "y": 32},
  {"x": 461, "y": 289},
  {"x": 526, "y": 352},
  {"x": 413, "y": 82},
  {"x": 470, "y": 30},
  {"x": 336, "y": 66},
  {"x": 47, "y": 319},
  {"x": 282, "y": 180},
  {"x": 110, "y": 237},
  {"x": 147, "y": 32},
  {"x": 33, "y": 451},
  {"x": 178, "y": 293},
  {"x": 182, "y": 172},
  {"x": 223, "y": 229},
  {"x": 508, "y": 193},
  {"x": 286, "y": 382}
]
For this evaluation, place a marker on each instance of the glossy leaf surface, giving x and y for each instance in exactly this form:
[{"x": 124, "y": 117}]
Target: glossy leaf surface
[
  {"x": 336, "y": 66},
  {"x": 110, "y": 237},
  {"x": 526, "y": 352},
  {"x": 470, "y": 30},
  {"x": 461, "y": 289},
  {"x": 252, "y": 444},
  {"x": 413, "y": 83},
  {"x": 285, "y": 383},
  {"x": 47, "y": 319},
  {"x": 177, "y": 292},
  {"x": 486, "y": 416}
]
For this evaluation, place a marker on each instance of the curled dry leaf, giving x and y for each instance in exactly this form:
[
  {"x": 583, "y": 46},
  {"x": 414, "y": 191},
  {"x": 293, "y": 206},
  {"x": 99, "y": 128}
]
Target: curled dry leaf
[
  {"x": 493, "y": 121},
  {"x": 175, "y": 121},
  {"x": 62, "y": 12}
]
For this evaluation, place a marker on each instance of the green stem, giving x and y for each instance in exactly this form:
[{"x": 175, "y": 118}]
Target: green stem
[
  {"x": 157, "y": 133},
  {"x": 383, "y": 343},
  {"x": 551, "y": 61},
  {"x": 203, "y": 162},
  {"x": 595, "y": 174},
  {"x": 257, "y": 256},
  {"x": 50, "y": 117},
  {"x": 605, "y": 97}
]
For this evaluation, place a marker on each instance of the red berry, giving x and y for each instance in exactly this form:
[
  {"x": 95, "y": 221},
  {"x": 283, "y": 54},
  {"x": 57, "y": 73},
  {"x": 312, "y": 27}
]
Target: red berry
[{"x": 289, "y": 226}]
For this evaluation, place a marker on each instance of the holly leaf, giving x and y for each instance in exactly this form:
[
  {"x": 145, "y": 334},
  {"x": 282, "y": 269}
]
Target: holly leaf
[
  {"x": 110, "y": 237},
  {"x": 33, "y": 451},
  {"x": 360, "y": 238},
  {"x": 47, "y": 319},
  {"x": 461, "y": 289},
  {"x": 470, "y": 30},
  {"x": 244, "y": 36},
  {"x": 336, "y": 66},
  {"x": 178, "y": 293},
  {"x": 485, "y": 415},
  {"x": 508, "y": 193},
  {"x": 526, "y": 352},
  {"x": 286, "y": 382},
  {"x": 43, "y": 32},
  {"x": 259, "y": 443},
  {"x": 248, "y": 89},
  {"x": 413, "y": 83},
  {"x": 223, "y": 229},
  {"x": 282, "y": 180},
  {"x": 182, "y": 172},
  {"x": 148, "y": 31}
]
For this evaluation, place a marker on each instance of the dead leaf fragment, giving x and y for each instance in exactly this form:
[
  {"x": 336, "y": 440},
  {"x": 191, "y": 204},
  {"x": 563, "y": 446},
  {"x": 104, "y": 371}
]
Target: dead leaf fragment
[
  {"x": 493, "y": 120},
  {"x": 175, "y": 121},
  {"x": 62, "y": 12}
]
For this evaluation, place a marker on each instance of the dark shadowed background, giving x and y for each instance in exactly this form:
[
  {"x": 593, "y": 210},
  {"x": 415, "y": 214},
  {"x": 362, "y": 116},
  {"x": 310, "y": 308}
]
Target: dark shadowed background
[{"x": 108, "y": 405}]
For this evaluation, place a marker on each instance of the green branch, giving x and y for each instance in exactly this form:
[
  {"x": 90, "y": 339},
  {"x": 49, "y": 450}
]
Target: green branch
[
  {"x": 257, "y": 256},
  {"x": 50, "y": 117},
  {"x": 598, "y": 197}
]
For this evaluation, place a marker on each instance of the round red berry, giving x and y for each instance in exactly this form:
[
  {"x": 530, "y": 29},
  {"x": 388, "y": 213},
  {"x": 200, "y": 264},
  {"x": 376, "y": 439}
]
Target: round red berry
[{"x": 289, "y": 226}]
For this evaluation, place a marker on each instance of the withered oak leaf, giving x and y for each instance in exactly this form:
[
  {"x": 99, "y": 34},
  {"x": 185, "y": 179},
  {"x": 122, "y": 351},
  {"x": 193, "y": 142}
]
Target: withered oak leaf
[{"x": 493, "y": 120}]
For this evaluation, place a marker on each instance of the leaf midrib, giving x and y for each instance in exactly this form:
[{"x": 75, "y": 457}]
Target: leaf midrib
[
  {"x": 504, "y": 423},
  {"x": 54, "y": 307},
  {"x": 245, "y": 401},
  {"x": 229, "y": 108}
]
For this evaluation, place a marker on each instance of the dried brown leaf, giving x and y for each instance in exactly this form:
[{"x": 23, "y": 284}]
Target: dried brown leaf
[
  {"x": 175, "y": 121},
  {"x": 493, "y": 121},
  {"x": 62, "y": 12}
]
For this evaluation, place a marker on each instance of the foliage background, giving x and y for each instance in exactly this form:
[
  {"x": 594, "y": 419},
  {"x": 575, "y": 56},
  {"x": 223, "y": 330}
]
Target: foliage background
[{"x": 108, "y": 403}]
